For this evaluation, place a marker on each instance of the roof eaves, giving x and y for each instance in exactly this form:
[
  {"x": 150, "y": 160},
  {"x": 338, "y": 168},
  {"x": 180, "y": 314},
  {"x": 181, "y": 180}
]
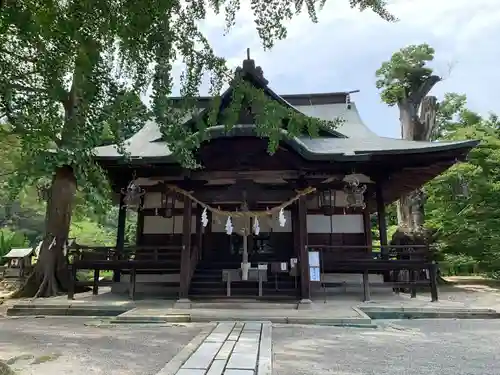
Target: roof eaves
[{"x": 425, "y": 149}]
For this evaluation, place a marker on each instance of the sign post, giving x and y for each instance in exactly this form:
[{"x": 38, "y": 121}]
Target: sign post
[{"x": 314, "y": 266}]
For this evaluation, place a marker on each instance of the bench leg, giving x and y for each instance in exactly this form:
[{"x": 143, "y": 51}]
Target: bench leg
[
  {"x": 72, "y": 282},
  {"x": 260, "y": 285},
  {"x": 413, "y": 279},
  {"x": 95, "y": 285},
  {"x": 132, "y": 284},
  {"x": 366, "y": 286},
  {"x": 395, "y": 276},
  {"x": 433, "y": 277}
]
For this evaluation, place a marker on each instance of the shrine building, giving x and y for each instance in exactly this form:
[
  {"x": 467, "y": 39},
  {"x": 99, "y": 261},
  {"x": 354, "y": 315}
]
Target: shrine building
[{"x": 251, "y": 224}]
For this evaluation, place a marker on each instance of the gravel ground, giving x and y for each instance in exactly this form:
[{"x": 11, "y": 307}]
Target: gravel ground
[
  {"x": 472, "y": 295},
  {"x": 67, "y": 346},
  {"x": 411, "y": 347}
]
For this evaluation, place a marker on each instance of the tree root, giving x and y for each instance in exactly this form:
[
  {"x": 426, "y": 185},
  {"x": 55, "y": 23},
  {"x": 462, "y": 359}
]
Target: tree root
[
  {"x": 39, "y": 285},
  {"x": 5, "y": 369}
]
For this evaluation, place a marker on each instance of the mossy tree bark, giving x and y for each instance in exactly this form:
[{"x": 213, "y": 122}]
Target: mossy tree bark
[
  {"x": 50, "y": 276},
  {"x": 418, "y": 120}
]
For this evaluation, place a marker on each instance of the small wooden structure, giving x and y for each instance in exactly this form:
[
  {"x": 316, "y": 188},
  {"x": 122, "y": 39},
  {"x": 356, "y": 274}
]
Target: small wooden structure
[{"x": 19, "y": 263}]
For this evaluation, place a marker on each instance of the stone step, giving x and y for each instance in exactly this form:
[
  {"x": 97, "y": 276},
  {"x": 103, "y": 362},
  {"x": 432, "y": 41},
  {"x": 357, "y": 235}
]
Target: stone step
[{"x": 242, "y": 304}]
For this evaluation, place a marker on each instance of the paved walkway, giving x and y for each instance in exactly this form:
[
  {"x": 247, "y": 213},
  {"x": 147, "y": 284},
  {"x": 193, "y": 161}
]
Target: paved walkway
[{"x": 232, "y": 348}]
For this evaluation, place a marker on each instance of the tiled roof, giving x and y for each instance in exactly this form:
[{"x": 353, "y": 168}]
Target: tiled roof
[{"x": 359, "y": 139}]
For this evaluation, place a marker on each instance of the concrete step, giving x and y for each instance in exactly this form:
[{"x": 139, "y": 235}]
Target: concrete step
[{"x": 197, "y": 315}]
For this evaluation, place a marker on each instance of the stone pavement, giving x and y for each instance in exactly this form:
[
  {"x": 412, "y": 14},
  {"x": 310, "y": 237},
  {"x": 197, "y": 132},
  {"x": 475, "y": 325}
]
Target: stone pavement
[
  {"x": 232, "y": 348},
  {"x": 343, "y": 308}
]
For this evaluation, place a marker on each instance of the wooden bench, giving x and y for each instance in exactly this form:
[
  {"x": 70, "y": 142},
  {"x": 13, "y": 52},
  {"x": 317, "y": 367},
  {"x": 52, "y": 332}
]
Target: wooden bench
[
  {"x": 132, "y": 260},
  {"x": 388, "y": 260},
  {"x": 365, "y": 267}
]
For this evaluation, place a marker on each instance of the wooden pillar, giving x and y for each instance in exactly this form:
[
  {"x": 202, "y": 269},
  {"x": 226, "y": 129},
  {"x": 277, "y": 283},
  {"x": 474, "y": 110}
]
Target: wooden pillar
[
  {"x": 305, "y": 285},
  {"x": 186, "y": 249},
  {"x": 367, "y": 225},
  {"x": 199, "y": 233},
  {"x": 382, "y": 222},
  {"x": 120, "y": 233},
  {"x": 382, "y": 226},
  {"x": 140, "y": 225}
]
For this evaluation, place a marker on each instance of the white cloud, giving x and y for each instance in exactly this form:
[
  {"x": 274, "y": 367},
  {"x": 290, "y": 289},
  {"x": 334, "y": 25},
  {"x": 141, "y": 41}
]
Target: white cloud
[{"x": 345, "y": 48}]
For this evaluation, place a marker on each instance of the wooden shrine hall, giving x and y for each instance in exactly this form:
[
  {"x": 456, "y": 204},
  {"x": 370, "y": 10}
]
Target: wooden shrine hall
[{"x": 250, "y": 224}]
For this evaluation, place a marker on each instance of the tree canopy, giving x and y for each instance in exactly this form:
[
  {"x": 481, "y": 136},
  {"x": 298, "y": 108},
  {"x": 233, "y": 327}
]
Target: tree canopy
[
  {"x": 73, "y": 71},
  {"x": 463, "y": 206},
  {"x": 405, "y": 74}
]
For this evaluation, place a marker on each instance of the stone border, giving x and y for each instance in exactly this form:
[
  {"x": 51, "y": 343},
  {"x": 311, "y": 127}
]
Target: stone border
[
  {"x": 65, "y": 310},
  {"x": 384, "y": 312},
  {"x": 265, "y": 364},
  {"x": 176, "y": 363}
]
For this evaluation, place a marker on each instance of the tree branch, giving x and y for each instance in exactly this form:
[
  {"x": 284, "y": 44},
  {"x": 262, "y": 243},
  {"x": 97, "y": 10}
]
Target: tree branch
[
  {"x": 18, "y": 56},
  {"x": 424, "y": 89},
  {"x": 35, "y": 90}
]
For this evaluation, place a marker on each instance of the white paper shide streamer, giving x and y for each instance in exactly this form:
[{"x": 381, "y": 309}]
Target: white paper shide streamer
[
  {"x": 281, "y": 218},
  {"x": 256, "y": 226},
  {"x": 229, "y": 226},
  {"x": 204, "y": 218}
]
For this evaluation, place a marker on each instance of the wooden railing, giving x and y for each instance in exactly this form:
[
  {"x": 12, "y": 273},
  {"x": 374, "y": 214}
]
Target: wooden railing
[
  {"x": 387, "y": 252},
  {"x": 131, "y": 259},
  {"x": 152, "y": 253},
  {"x": 409, "y": 267}
]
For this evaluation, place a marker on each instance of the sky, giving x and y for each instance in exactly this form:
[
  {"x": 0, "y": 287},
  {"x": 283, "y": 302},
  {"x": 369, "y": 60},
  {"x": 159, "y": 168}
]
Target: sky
[{"x": 345, "y": 48}]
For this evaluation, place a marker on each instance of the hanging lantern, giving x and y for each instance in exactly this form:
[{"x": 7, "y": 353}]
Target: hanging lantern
[
  {"x": 354, "y": 192},
  {"x": 133, "y": 195},
  {"x": 168, "y": 203},
  {"x": 326, "y": 202}
]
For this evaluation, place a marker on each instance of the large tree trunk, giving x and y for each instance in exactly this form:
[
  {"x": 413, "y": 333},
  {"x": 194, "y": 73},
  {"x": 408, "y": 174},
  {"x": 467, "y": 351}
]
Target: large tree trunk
[
  {"x": 415, "y": 127},
  {"x": 50, "y": 275}
]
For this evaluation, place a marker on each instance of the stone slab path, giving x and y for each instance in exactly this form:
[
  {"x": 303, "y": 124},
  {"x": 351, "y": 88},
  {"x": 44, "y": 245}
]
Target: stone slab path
[{"x": 233, "y": 348}]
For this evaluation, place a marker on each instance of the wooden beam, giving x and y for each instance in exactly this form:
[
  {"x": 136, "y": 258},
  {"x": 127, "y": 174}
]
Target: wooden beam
[
  {"x": 140, "y": 225},
  {"x": 305, "y": 285},
  {"x": 367, "y": 224},
  {"x": 186, "y": 250},
  {"x": 120, "y": 232},
  {"x": 381, "y": 217}
]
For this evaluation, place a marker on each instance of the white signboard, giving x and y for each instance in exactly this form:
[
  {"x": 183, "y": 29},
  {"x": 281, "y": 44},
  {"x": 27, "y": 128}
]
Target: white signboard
[
  {"x": 313, "y": 258},
  {"x": 283, "y": 266},
  {"x": 314, "y": 274}
]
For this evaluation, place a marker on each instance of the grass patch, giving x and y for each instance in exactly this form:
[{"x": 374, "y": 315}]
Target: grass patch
[
  {"x": 17, "y": 358},
  {"x": 45, "y": 358},
  {"x": 87, "y": 275}
]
